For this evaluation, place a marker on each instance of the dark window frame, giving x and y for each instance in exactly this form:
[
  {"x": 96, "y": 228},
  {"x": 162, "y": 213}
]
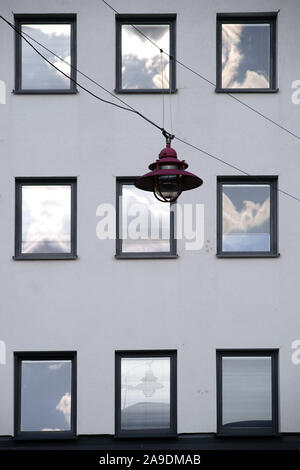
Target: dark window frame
[
  {"x": 40, "y": 181},
  {"x": 43, "y": 355},
  {"x": 248, "y": 431},
  {"x": 232, "y": 18},
  {"x": 161, "y": 433},
  {"x": 273, "y": 182},
  {"x": 58, "y": 18},
  {"x": 172, "y": 254},
  {"x": 137, "y": 19}
]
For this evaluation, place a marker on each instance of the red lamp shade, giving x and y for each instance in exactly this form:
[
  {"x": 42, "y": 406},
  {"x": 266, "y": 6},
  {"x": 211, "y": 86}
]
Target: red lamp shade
[{"x": 168, "y": 177}]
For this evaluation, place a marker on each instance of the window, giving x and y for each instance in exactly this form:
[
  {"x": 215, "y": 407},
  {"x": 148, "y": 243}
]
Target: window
[
  {"x": 247, "y": 391},
  {"x": 58, "y": 34},
  {"x": 146, "y": 393},
  {"x": 45, "y": 395},
  {"x": 145, "y": 226},
  {"x": 140, "y": 66},
  {"x": 246, "y": 52},
  {"x": 247, "y": 216},
  {"x": 45, "y": 218}
]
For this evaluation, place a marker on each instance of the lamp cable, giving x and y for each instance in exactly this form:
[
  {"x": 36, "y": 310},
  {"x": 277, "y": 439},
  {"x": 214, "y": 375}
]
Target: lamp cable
[
  {"x": 128, "y": 107},
  {"x": 202, "y": 77}
]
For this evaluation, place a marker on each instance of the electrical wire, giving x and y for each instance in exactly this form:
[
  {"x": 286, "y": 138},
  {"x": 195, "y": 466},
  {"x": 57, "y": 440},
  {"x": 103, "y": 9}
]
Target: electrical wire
[
  {"x": 211, "y": 155},
  {"x": 229, "y": 165},
  {"x": 69, "y": 64},
  {"x": 230, "y": 95},
  {"x": 88, "y": 77},
  {"x": 129, "y": 108},
  {"x": 170, "y": 107},
  {"x": 162, "y": 87}
]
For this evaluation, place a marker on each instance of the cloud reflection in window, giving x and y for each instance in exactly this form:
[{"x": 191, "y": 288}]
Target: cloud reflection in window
[
  {"x": 142, "y": 63},
  {"x": 46, "y": 395},
  {"x": 246, "y": 218},
  {"x": 246, "y": 55},
  {"x": 46, "y": 219},
  {"x": 36, "y": 72}
]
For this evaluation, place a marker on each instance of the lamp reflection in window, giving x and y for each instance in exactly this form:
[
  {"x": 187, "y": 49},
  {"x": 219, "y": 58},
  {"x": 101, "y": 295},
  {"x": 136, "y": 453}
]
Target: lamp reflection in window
[{"x": 145, "y": 400}]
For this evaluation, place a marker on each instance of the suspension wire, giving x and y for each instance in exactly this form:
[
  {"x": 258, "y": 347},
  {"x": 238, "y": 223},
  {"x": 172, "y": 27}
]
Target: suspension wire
[
  {"x": 166, "y": 134},
  {"x": 170, "y": 101},
  {"x": 230, "y": 95},
  {"x": 211, "y": 155},
  {"x": 229, "y": 165},
  {"x": 162, "y": 87},
  {"x": 128, "y": 108},
  {"x": 23, "y": 33},
  {"x": 134, "y": 27},
  {"x": 69, "y": 64}
]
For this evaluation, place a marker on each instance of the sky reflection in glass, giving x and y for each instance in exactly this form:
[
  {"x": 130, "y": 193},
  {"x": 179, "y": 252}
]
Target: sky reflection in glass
[
  {"x": 37, "y": 74},
  {"x": 141, "y": 61},
  {"x": 246, "y": 55},
  {"x": 46, "y": 395},
  {"x": 246, "y": 217},
  {"x": 46, "y": 219}
]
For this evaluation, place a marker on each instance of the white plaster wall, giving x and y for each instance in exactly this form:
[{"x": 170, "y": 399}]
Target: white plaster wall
[{"x": 194, "y": 304}]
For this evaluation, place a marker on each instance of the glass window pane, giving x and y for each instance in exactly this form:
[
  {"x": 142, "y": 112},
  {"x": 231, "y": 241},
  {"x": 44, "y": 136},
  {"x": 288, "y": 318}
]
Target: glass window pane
[
  {"x": 246, "y": 55},
  {"x": 145, "y": 393},
  {"x": 46, "y": 395},
  {"x": 246, "y": 217},
  {"x": 36, "y": 72},
  {"x": 144, "y": 222},
  {"x": 142, "y": 65},
  {"x": 46, "y": 219},
  {"x": 247, "y": 391}
]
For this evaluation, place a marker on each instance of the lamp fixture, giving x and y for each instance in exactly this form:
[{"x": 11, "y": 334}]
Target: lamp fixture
[{"x": 168, "y": 178}]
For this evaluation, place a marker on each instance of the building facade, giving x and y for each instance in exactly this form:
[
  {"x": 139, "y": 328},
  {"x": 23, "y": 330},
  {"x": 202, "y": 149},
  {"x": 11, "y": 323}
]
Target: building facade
[{"x": 151, "y": 336}]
